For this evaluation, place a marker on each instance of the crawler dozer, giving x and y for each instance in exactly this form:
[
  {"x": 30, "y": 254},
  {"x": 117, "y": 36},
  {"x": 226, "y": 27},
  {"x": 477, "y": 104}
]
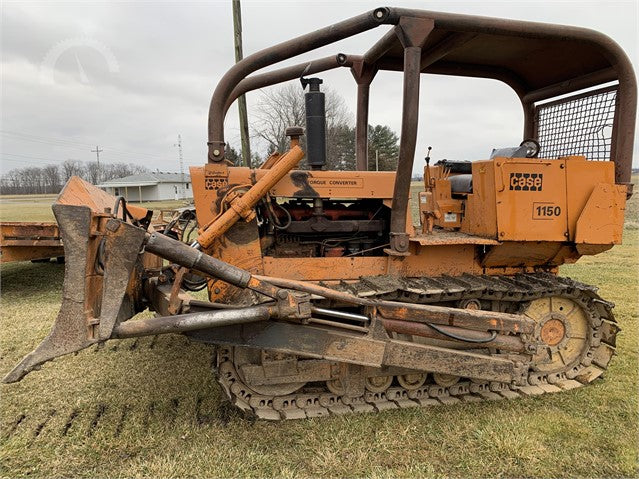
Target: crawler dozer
[{"x": 324, "y": 295}]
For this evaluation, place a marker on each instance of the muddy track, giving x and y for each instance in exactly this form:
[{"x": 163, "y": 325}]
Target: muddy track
[{"x": 504, "y": 293}]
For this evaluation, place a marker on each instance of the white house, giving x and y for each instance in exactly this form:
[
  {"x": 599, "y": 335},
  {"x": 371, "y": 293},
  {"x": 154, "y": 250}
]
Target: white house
[{"x": 150, "y": 186}]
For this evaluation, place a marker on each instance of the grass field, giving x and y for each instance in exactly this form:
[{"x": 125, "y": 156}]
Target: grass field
[
  {"x": 38, "y": 207},
  {"x": 149, "y": 408}
]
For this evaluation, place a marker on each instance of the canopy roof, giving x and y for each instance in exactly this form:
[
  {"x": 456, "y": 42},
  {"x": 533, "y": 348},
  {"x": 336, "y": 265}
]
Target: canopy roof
[{"x": 533, "y": 55}]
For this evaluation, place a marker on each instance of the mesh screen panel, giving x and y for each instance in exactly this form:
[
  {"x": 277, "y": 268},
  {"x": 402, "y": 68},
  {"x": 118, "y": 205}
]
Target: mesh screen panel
[{"x": 581, "y": 125}]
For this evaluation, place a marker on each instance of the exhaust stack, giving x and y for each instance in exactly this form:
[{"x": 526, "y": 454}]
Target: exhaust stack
[{"x": 315, "y": 123}]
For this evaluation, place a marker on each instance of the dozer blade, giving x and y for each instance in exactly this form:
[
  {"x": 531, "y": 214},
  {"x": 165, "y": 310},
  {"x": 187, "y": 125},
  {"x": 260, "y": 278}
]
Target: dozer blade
[{"x": 100, "y": 256}]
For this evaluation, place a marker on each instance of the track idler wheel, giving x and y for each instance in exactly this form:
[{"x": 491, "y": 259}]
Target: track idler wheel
[
  {"x": 378, "y": 384},
  {"x": 413, "y": 381},
  {"x": 445, "y": 380},
  {"x": 336, "y": 387}
]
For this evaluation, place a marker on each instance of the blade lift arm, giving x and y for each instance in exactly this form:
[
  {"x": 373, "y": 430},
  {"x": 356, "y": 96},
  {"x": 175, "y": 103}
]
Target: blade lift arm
[{"x": 291, "y": 304}]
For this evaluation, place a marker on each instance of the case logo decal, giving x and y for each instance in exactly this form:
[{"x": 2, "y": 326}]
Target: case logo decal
[{"x": 526, "y": 181}]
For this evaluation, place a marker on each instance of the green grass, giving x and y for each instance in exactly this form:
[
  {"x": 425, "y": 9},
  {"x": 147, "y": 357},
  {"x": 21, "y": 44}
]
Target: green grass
[
  {"x": 38, "y": 207},
  {"x": 149, "y": 408}
]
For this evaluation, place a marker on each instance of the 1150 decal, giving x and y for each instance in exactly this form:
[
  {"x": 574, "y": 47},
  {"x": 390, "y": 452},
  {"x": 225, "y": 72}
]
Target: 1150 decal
[{"x": 545, "y": 211}]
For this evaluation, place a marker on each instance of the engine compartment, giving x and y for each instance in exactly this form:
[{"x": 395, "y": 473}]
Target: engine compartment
[{"x": 316, "y": 227}]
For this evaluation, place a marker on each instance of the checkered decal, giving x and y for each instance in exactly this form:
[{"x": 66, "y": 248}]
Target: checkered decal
[
  {"x": 215, "y": 183},
  {"x": 526, "y": 181}
]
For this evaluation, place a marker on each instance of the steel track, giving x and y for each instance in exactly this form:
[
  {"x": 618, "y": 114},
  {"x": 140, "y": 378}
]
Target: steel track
[{"x": 502, "y": 292}]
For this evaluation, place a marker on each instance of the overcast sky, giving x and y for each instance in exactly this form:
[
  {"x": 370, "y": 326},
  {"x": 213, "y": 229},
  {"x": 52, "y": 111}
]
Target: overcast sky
[{"x": 130, "y": 77}]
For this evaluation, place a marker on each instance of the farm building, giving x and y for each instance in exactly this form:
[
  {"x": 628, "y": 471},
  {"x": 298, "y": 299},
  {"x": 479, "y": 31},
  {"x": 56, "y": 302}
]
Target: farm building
[{"x": 150, "y": 186}]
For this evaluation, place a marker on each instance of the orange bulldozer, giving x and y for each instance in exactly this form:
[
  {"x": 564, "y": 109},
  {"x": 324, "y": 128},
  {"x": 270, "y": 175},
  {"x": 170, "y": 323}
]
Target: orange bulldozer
[{"x": 324, "y": 296}]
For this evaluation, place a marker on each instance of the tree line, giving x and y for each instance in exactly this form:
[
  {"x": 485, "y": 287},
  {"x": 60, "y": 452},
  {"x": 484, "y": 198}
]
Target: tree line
[{"x": 49, "y": 179}]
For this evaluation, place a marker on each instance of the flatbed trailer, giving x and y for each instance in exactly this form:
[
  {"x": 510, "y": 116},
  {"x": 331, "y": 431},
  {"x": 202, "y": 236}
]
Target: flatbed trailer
[
  {"x": 40, "y": 241},
  {"x": 29, "y": 241}
]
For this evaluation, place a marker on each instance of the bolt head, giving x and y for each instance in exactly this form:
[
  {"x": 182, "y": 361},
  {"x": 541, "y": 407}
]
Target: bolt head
[
  {"x": 282, "y": 294},
  {"x": 113, "y": 225}
]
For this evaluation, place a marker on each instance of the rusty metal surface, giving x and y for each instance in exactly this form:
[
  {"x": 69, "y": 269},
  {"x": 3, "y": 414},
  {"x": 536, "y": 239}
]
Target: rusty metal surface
[
  {"x": 487, "y": 340},
  {"x": 80, "y": 192},
  {"x": 346, "y": 386},
  {"x": 242, "y": 205},
  {"x": 255, "y": 82},
  {"x": 350, "y": 348},
  {"x": 193, "y": 321},
  {"x": 70, "y": 332},
  {"x": 446, "y": 237},
  {"x": 466, "y": 318},
  {"x": 123, "y": 243},
  {"x": 25, "y": 241},
  {"x": 412, "y": 33},
  {"x": 192, "y": 258},
  {"x": 363, "y": 73},
  {"x": 95, "y": 284}
]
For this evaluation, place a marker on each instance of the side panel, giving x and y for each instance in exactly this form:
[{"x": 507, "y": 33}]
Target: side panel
[
  {"x": 524, "y": 253},
  {"x": 453, "y": 260},
  {"x": 240, "y": 246},
  {"x": 481, "y": 216},
  {"x": 425, "y": 261},
  {"x": 209, "y": 186},
  {"x": 581, "y": 179},
  {"x": 531, "y": 199},
  {"x": 334, "y": 184},
  {"x": 318, "y": 269},
  {"x": 601, "y": 220}
]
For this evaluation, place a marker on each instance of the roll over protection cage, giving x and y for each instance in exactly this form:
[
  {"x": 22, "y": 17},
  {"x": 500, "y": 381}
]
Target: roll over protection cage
[{"x": 538, "y": 61}]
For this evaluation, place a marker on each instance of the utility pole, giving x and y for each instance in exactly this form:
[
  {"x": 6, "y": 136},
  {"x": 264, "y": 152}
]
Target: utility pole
[
  {"x": 97, "y": 152},
  {"x": 244, "y": 131},
  {"x": 376, "y": 160},
  {"x": 181, "y": 158}
]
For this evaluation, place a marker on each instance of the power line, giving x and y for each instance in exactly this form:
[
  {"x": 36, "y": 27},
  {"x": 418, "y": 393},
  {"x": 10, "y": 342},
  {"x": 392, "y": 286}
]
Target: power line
[
  {"x": 11, "y": 159},
  {"x": 29, "y": 157},
  {"x": 97, "y": 152},
  {"x": 72, "y": 144}
]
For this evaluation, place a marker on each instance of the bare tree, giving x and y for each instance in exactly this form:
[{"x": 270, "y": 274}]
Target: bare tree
[
  {"x": 92, "y": 169},
  {"x": 282, "y": 107},
  {"x": 71, "y": 168},
  {"x": 13, "y": 179},
  {"x": 51, "y": 178}
]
